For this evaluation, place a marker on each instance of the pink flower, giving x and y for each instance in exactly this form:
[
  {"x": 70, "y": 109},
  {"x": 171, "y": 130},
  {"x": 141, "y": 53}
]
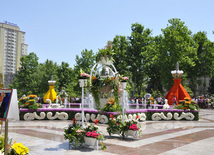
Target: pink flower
[
  {"x": 85, "y": 74},
  {"x": 92, "y": 134},
  {"x": 125, "y": 78},
  {"x": 133, "y": 127}
]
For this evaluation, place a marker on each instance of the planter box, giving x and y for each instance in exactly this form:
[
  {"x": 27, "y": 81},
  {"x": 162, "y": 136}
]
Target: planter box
[
  {"x": 91, "y": 141},
  {"x": 132, "y": 133},
  {"x": 105, "y": 61}
]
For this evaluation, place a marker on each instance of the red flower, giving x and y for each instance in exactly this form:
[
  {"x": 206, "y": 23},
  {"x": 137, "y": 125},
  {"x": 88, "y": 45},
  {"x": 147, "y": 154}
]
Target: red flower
[
  {"x": 74, "y": 121},
  {"x": 133, "y": 127},
  {"x": 137, "y": 117},
  {"x": 96, "y": 121},
  {"x": 111, "y": 116}
]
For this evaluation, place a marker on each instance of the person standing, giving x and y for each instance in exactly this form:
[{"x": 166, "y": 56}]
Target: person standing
[
  {"x": 174, "y": 100},
  {"x": 159, "y": 100}
]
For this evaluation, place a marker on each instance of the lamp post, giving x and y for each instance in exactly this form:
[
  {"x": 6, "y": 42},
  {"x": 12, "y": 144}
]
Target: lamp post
[
  {"x": 123, "y": 86},
  {"x": 82, "y": 83}
]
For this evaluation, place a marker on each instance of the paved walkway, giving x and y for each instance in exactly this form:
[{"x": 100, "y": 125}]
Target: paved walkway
[{"x": 157, "y": 137}]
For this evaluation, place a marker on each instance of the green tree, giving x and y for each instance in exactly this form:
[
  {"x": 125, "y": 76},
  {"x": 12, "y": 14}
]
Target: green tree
[
  {"x": 211, "y": 86},
  {"x": 177, "y": 46},
  {"x": 27, "y": 79},
  {"x": 85, "y": 62},
  {"x": 140, "y": 42},
  {"x": 204, "y": 62},
  {"x": 46, "y": 70},
  {"x": 152, "y": 65},
  {"x": 120, "y": 46},
  {"x": 64, "y": 74}
]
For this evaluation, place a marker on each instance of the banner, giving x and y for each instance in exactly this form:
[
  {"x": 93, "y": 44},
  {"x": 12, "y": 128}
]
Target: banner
[{"x": 5, "y": 98}]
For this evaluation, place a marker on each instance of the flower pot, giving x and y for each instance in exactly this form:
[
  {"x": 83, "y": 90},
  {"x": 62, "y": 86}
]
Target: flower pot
[
  {"x": 82, "y": 82},
  {"x": 123, "y": 85},
  {"x": 132, "y": 133},
  {"x": 105, "y": 61},
  {"x": 106, "y": 89},
  {"x": 90, "y": 141}
]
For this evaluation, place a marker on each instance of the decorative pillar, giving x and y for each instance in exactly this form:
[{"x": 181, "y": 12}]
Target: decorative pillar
[
  {"x": 82, "y": 83},
  {"x": 123, "y": 86}
]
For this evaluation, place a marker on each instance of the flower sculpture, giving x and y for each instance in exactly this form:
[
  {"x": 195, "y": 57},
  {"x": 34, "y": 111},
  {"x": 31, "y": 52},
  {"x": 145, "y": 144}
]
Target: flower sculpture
[
  {"x": 187, "y": 104},
  {"x": 29, "y": 102}
]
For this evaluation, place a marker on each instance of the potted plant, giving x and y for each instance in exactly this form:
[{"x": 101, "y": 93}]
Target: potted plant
[
  {"x": 131, "y": 128},
  {"x": 93, "y": 136},
  {"x": 98, "y": 85},
  {"x": 74, "y": 134},
  {"x": 104, "y": 55},
  {"x": 111, "y": 106},
  {"x": 123, "y": 81},
  {"x": 114, "y": 126},
  {"x": 77, "y": 136}
]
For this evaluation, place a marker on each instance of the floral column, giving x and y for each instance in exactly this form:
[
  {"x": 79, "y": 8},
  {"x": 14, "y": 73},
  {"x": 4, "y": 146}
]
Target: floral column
[
  {"x": 123, "y": 86},
  {"x": 83, "y": 83}
]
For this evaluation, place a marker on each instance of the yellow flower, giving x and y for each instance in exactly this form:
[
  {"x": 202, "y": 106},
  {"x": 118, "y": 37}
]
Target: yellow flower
[
  {"x": 93, "y": 78},
  {"x": 111, "y": 100},
  {"x": 187, "y": 98},
  {"x": 115, "y": 106},
  {"x": 32, "y": 96},
  {"x": 20, "y": 149}
]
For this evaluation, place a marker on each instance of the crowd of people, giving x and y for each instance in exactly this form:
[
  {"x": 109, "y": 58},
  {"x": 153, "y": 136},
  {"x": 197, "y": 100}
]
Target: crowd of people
[{"x": 203, "y": 102}]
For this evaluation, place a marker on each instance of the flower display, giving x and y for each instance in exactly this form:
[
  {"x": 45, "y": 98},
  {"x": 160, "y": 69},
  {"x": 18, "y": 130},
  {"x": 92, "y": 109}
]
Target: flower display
[
  {"x": 19, "y": 149},
  {"x": 92, "y": 134},
  {"x": 13, "y": 149},
  {"x": 105, "y": 53},
  {"x": 187, "y": 104},
  {"x": 99, "y": 84},
  {"x": 123, "y": 79},
  {"x": 115, "y": 126},
  {"x": 111, "y": 106},
  {"x": 84, "y": 76},
  {"x": 29, "y": 102},
  {"x": 76, "y": 135},
  {"x": 133, "y": 127}
]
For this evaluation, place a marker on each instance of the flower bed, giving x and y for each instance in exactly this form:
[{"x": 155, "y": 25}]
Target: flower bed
[{"x": 103, "y": 117}]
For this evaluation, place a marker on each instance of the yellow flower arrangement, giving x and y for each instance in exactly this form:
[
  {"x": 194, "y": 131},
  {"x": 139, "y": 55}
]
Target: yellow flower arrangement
[
  {"x": 32, "y": 96},
  {"x": 93, "y": 78},
  {"x": 111, "y": 100},
  {"x": 19, "y": 148}
]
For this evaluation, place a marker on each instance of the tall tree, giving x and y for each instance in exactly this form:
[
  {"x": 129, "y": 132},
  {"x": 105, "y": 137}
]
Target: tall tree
[
  {"x": 65, "y": 74},
  {"x": 177, "y": 46},
  {"x": 85, "y": 62},
  {"x": 204, "y": 62},
  {"x": 46, "y": 70},
  {"x": 140, "y": 41},
  {"x": 27, "y": 79},
  {"x": 120, "y": 46},
  {"x": 152, "y": 65}
]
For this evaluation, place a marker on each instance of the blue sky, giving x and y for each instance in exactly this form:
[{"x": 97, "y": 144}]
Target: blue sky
[{"x": 59, "y": 30}]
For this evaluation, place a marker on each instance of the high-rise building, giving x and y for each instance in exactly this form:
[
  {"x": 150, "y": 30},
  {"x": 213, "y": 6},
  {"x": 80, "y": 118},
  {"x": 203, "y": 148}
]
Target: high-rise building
[{"x": 12, "y": 48}]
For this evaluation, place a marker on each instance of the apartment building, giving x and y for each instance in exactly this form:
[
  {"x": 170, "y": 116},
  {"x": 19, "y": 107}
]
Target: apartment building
[{"x": 12, "y": 48}]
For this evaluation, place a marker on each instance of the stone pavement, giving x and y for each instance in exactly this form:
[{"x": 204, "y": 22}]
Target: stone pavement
[{"x": 157, "y": 137}]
